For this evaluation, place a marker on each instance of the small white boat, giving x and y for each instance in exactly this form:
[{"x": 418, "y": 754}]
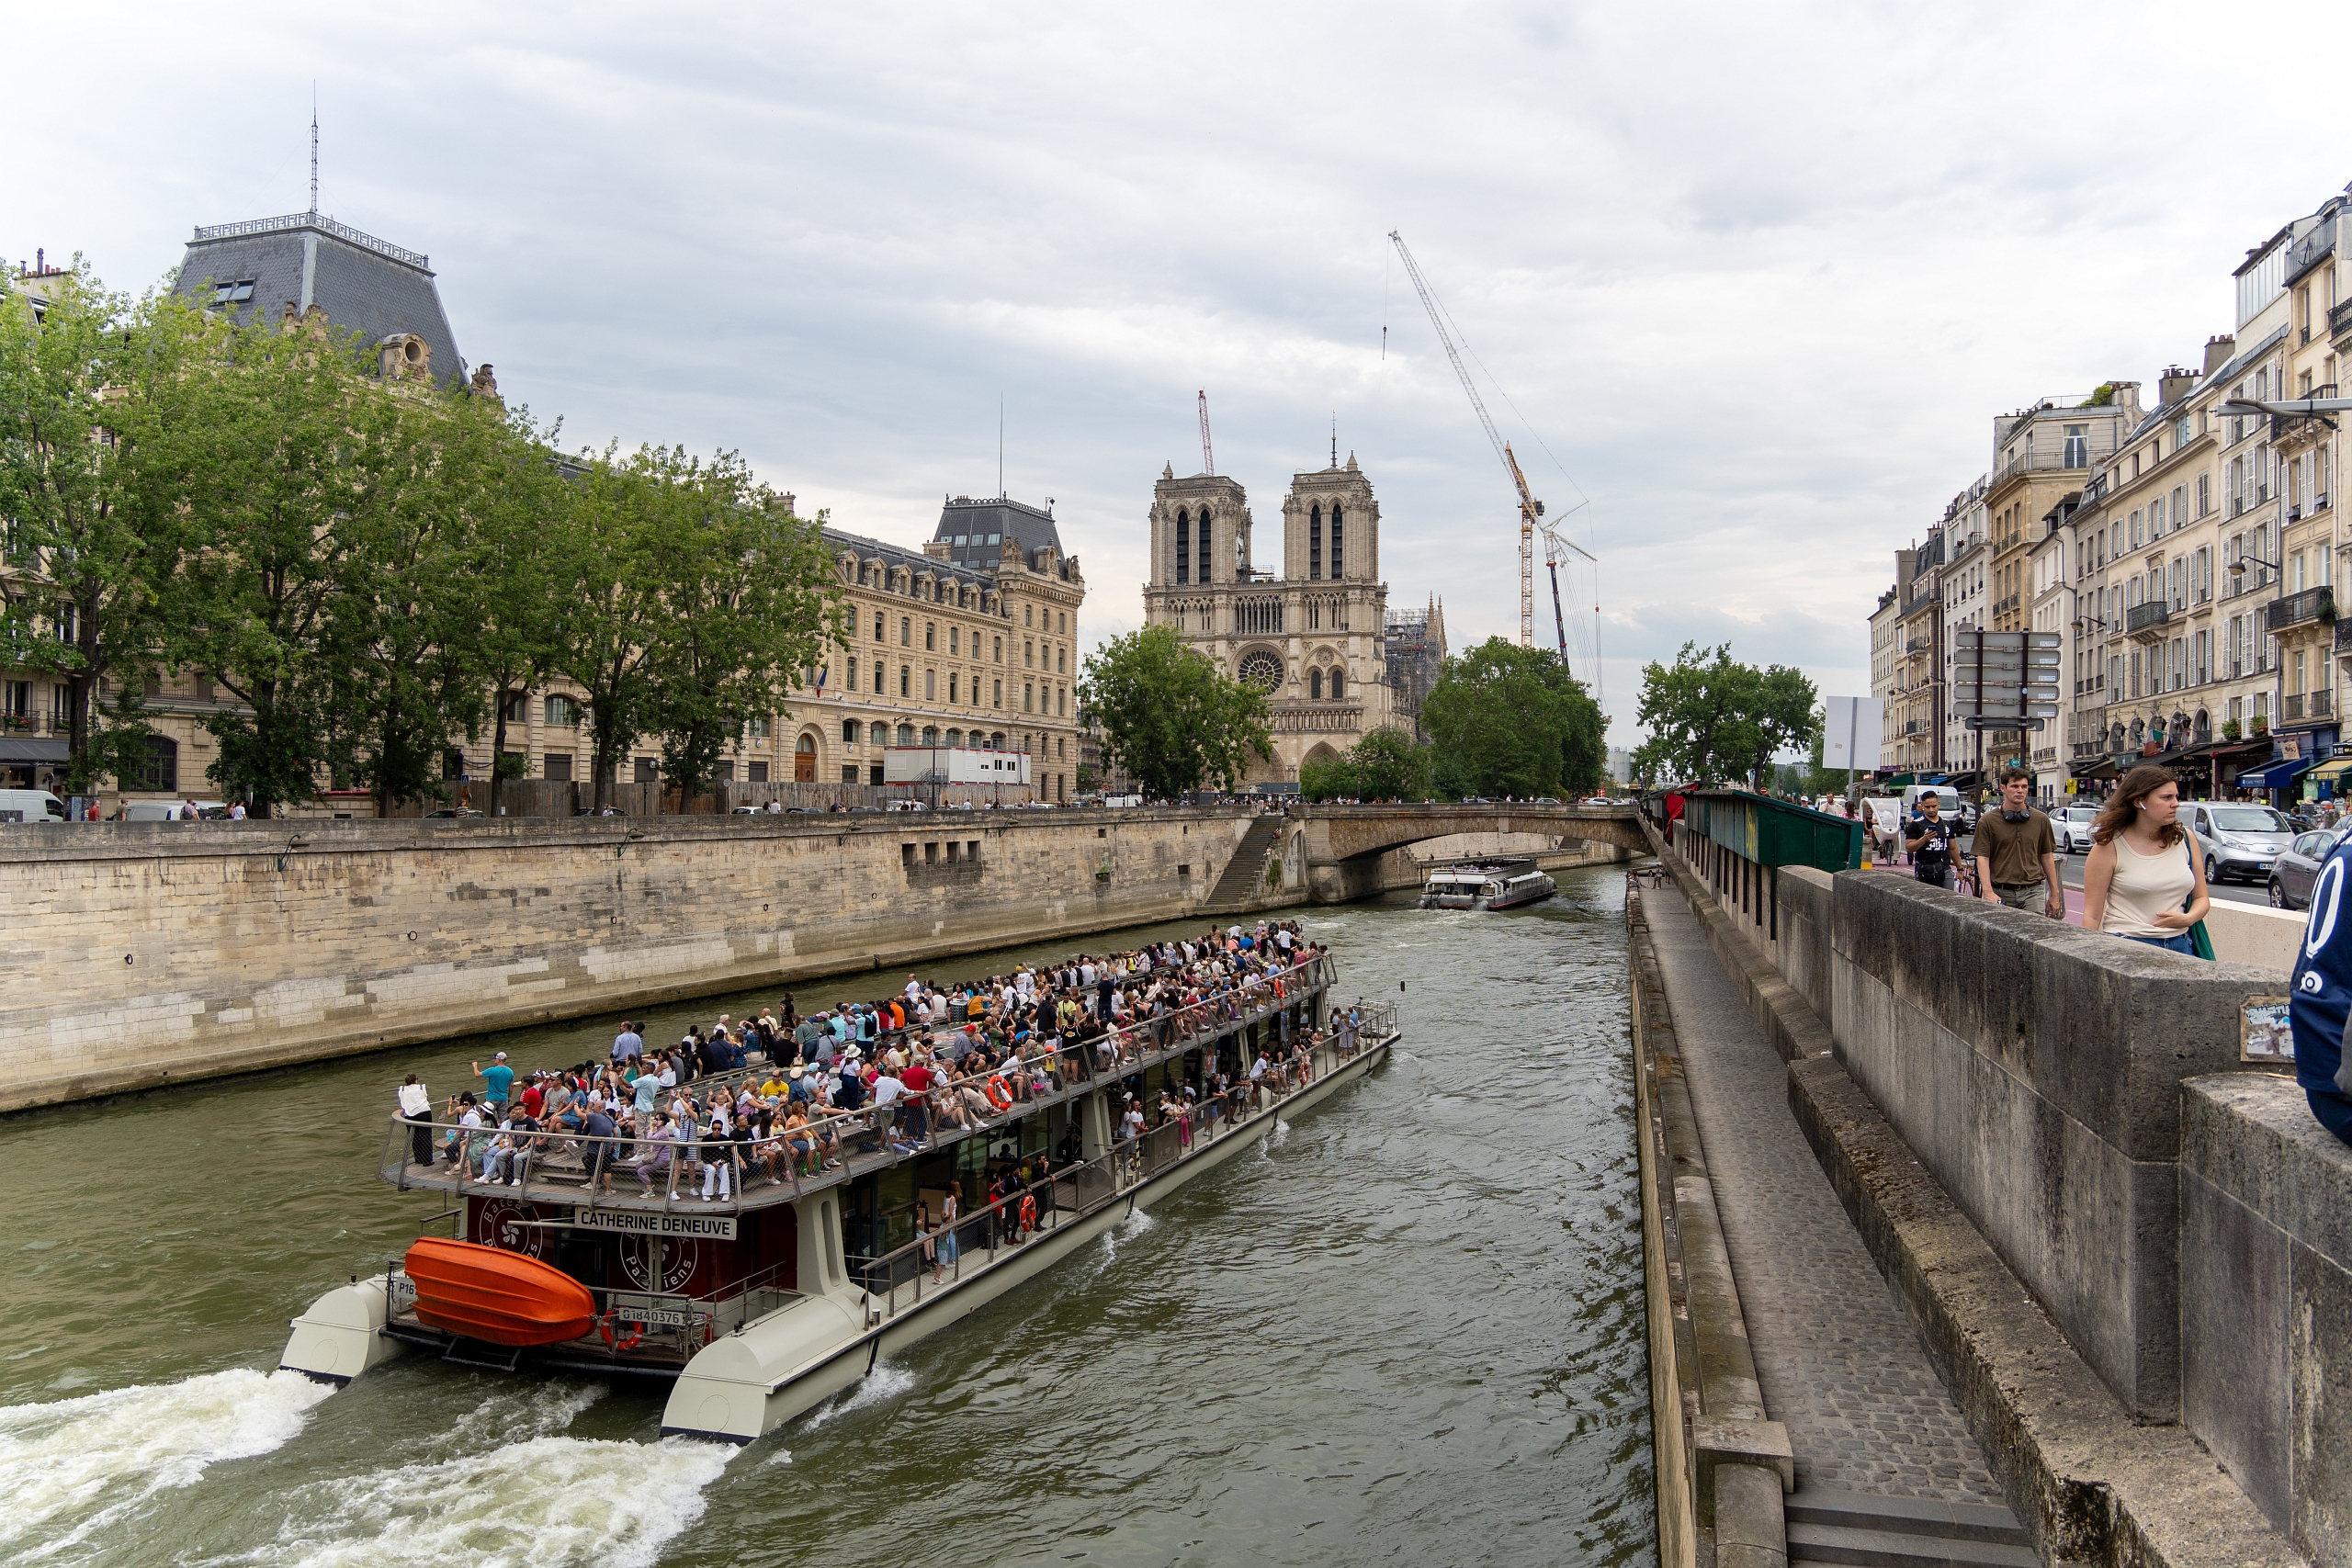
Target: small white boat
[{"x": 1487, "y": 885}]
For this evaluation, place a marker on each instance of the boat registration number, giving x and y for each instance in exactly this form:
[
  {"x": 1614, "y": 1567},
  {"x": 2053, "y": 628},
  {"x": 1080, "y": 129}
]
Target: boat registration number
[{"x": 654, "y": 1317}]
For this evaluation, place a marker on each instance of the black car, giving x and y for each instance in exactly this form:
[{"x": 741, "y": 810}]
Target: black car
[{"x": 2297, "y": 867}]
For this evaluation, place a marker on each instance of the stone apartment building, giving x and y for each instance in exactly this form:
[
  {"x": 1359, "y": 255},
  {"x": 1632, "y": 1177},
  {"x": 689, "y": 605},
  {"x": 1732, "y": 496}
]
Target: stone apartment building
[
  {"x": 1915, "y": 714},
  {"x": 1967, "y": 599},
  {"x": 1887, "y": 660}
]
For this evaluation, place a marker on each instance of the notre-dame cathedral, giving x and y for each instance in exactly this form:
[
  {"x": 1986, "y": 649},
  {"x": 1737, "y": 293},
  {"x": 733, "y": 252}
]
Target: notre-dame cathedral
[{"x": 1311, "y": 635}]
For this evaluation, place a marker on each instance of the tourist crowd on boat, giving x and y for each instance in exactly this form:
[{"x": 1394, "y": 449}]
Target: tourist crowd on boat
[{"x": 783, "y": 1096}]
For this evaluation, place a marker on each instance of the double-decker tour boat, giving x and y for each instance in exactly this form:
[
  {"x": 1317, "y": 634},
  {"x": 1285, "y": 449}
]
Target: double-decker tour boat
[
  {"x": 1485, "y": 885},
  {"x": 600, "y": 1255}
]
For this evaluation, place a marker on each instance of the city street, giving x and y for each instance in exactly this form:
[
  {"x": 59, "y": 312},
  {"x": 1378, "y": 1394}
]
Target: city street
[{"x": 2070, "y": 871}]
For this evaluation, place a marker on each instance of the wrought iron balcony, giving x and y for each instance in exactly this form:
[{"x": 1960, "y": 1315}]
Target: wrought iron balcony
[
  {"x": 2339, "y": 319},
  {"x": 2344, "y": 639},
  {"x": 2310, "y": 607},
  {"x": 2146, "y": 623}
]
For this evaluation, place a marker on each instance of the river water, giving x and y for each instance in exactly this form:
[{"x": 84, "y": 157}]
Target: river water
[{"x": 1407, "y": 1331}]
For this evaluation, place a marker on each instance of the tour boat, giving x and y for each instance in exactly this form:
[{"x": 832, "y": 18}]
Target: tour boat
[
  {"x": 1487, "y": 885},
  {"x": 755, "y": 1308}
]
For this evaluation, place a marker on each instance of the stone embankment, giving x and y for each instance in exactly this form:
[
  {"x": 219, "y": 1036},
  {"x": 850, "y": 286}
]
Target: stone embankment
[
  {"x": 151, "y": 954},
  {"x": 2123, "y": 1249}
]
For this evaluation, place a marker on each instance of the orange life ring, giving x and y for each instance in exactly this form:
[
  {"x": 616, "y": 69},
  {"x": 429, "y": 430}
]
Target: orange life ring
[
  {"x": 1028, "y": 1212},
  {"x": 1000, "y": 1096},
  {"x": 1279, "y": 993},
  {"x": 605, "y": 1324}
]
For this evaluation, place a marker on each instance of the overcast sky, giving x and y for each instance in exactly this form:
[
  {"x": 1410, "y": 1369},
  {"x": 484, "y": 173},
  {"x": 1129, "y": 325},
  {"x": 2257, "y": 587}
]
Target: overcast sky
[{"x": 1758, "y": 278}]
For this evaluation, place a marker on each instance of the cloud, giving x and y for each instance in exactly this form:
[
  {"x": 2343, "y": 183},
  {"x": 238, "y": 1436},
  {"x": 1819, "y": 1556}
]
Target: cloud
[{"x": 1760, "y": 280}]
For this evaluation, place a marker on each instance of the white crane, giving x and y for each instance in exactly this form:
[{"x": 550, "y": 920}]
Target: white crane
[{"x": 1530, "y": 510}]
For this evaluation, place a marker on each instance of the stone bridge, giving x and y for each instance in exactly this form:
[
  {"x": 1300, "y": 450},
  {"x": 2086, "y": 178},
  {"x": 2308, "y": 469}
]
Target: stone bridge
[{"x": 1341, "y": 845}]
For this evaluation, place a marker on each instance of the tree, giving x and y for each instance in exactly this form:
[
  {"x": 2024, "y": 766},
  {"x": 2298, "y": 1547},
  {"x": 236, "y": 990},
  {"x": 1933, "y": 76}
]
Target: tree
[
  {"x": 614, "y": 589},
  {"x": 81, "y": 390},
  {"x": 1711, "y": 717},
  {"x": 530, "y": 525},
  {"x": 1386, "y": 764},
  {"x": 1170, "y": 717},
  {"x": 751, "y": 595},
  {"x": 1512, "y": 721},
  {"x": 280, "y": 466}
]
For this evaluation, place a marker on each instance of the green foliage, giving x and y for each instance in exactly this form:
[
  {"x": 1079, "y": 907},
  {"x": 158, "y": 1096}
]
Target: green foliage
[
  {"x": 1086, "y": 779},
  {"x": 1513, "y": 721},
  {"x": 1386, "y": 764},
  {"x": 1712, "y": 718},
  {"x": 2099, "y": 398},
  {"x": 1170, "y": 717}
]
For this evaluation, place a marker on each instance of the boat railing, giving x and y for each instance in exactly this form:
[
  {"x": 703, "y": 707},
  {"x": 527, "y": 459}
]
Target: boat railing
[
  {"x": 635, "y": 1322},
  {"x": 558, "y": 1165}
]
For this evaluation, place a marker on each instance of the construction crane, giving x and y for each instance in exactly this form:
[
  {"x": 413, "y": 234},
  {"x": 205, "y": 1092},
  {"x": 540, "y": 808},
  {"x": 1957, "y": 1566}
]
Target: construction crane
[
  {"x": 1530, "y": 510},
  {"x": 1208, "y": 456}
]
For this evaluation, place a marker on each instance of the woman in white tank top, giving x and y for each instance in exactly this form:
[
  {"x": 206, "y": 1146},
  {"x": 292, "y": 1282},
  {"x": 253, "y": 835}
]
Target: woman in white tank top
[{"x": 2145, "y": 875}]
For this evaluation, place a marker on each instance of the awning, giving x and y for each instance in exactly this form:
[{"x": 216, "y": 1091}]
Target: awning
[
  {"x": 30, "y": 749},
  {"x": 2333, "y": 769},
  {"x": 2096, "y": 771},
  {"x": 2277, "y": 776}
]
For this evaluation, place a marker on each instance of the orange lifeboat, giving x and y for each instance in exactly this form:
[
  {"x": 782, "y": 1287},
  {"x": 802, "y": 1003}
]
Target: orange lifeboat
[{"x": 504, "y": 1298}]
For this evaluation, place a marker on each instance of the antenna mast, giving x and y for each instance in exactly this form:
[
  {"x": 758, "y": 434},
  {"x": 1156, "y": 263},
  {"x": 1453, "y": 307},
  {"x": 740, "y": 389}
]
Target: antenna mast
[
  {"x": 1208, "y": 454},
  {"x": 314, "y": 149}
]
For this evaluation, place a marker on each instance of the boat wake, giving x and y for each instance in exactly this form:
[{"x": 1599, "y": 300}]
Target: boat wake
[
  {"x": 887, "y": 1381},
  {"x": 100, "y": 1458},
  {"x": 548, "y": 1501}
]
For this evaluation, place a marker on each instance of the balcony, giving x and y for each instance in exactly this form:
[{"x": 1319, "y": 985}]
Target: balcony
[
  {"x": 2147, "y": 623},
  {"x": 2287, "y": 426},
  {"x": 2306, "y": 705},
  {"x": 1916, "y": 645},
  {"x": 2344, "y": 639},
  {"x": 2311, "y": 607},
  {"x": 2339, "y": 320}
]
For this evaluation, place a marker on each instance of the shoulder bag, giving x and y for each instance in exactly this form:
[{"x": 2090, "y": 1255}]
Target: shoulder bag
[{"x": 2198, "y": 941}]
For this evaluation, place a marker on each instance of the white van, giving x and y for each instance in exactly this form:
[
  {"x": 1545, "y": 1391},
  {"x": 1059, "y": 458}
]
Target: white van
[
  {"x": 1945, "y": 793},
  {"x": 30, "y": 805},
  {"x": 169, "y": 811}
]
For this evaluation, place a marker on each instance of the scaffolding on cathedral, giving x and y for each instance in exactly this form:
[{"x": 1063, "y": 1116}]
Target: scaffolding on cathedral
[{"x": 1413, "y": 642}]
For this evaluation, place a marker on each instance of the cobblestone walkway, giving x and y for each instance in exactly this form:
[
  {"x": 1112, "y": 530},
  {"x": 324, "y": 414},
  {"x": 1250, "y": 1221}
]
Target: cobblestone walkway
[{"x": 1838, "y": 1360}]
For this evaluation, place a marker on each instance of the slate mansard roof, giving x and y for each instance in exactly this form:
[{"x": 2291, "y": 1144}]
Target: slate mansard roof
[
  {"x": 364, "y": 284},
  {"x": 974, "y": 529}
]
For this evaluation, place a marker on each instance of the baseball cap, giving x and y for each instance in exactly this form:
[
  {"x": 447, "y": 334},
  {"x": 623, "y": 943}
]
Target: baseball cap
[{"x": 499, "y": 1057}]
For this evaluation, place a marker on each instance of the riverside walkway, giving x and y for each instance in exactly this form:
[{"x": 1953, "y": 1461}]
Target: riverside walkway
[{"x": 1838, "y": 1363}]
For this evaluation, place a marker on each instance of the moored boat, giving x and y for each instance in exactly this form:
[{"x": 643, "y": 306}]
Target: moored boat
[
  {"x": 1485, "y": 885},
  {"x": 756, "y": 1308}
]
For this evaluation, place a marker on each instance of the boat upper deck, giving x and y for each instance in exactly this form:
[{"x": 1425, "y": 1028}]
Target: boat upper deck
[{"x": 635, "y": 1173}]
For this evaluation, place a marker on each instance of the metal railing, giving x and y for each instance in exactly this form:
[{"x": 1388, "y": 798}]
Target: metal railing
[
  {"x": 556, "y": 1164},
  {"x": 2150, "y": 617},
  {"x": 2295, "y": 609},
  {"x": 323, "y": 224}
]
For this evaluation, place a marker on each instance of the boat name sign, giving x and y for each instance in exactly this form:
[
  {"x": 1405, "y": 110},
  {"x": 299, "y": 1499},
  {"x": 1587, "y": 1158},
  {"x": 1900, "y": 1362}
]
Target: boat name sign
[{"x": 688, "y": 1227}]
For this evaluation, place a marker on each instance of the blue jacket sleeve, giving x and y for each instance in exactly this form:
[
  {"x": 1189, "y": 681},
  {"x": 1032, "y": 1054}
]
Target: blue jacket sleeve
[{"x": 2323, "y": 996}]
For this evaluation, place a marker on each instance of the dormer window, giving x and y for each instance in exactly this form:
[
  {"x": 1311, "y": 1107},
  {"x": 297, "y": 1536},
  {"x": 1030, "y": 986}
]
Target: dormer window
[{"x": 233, "y": 293}]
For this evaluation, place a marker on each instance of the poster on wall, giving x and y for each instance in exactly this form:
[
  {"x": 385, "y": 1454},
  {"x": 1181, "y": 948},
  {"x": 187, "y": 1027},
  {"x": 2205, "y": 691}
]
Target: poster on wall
[{"x": 2264, "y": 1033}]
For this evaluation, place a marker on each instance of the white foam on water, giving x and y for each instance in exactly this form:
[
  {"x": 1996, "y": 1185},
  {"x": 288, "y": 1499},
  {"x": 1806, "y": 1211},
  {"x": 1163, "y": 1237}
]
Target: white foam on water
[
  {"x": 887, "y": 1381},
  {"x": 1137, "y": 1221},
  {"x": 125, "y": 1446},
  {"x": 781, "y": 1456},
  {"x": 549, "y": 1501},
  {"x": 511, "y": 1415}
]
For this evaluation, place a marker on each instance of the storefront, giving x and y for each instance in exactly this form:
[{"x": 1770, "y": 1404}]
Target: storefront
[
  {"x": 2327, "y": 780},
  {"x": 2278, "y": 784},
  {"x": 33, "y": 761}
]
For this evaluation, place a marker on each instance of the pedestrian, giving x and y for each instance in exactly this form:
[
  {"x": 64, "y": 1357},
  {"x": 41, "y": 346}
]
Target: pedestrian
[
  {"x": 628, "y": 1043},
  {"x": 2016, "y": 853},
  {"x": 2144, "y": 877},
  {"x": 416, "y": 1106},
  {"x": 1929, "y": 840}
]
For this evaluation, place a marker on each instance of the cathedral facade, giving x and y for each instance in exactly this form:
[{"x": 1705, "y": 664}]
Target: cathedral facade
[{"x": 1308, "y": 635}]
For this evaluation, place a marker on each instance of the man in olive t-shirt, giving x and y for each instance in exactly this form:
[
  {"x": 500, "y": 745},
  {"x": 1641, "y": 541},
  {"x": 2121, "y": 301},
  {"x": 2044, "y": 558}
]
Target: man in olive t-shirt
[{"x": 2017, "y": 854}]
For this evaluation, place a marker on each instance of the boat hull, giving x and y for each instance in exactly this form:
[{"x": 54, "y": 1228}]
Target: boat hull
[
  {"x": 772, "y": 1371},
  {"x": 496, "y": 1296}
]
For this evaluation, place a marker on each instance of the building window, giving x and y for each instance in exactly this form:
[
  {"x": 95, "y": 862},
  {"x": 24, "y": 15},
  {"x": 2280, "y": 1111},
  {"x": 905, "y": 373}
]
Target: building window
[
  {"x": 906, "y": 680},
  {"x": 930, "y": 637},
  {"x": 906, "y": 632},
  {"x": 1183, "y": 546},
  {"x": 1315, "y": 681},
  {"x": 849, "y": 773},
  {"x": 930, "y": 685},
  {"x": 906, "y": 735},
  {"x": 1339, "y": 681},
  {"x": 557, "y": 767},
  {"x": 647, "y": 770},
  {"x": 997, "y": 698},
  {"x": 563, "y": 713},
  {"x": 515, "y": 707},
  {"x": 1061, "y": 701},
  {"x": 849, "y": 732},
  {"x": 1028, "y": 697},
  {"x": 1061, "y": 661},
  {"x": 955, "y": 638},
  {"x": 850, "y": 684},
  {"x": 1029, "y": 616},
  {"x": 1337, "y": 557},
  {"x": 1314, "y": 544},
  {"x": 1204, "y": 546},
  {"x": 951, "y": 688},
  {"x": 1029, "y": 656},
  {"x": 999, "y": 644},
  {"x": 877, "y": 626},
  {"x": 159, "y": 770}
]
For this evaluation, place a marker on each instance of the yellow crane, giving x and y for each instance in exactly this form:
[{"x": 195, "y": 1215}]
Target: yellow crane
[{"x": 1530, "y": 510}]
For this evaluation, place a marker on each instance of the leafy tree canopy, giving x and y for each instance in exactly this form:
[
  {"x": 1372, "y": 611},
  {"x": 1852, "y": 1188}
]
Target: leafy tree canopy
[
  {"x": 1512, "y": 721},
  {"x": 1712, "y": 718},
  {"x": 1386, "y": 764},
  {"x": 1170, "y": 717}
]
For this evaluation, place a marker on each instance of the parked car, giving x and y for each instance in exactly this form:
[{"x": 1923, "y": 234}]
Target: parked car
[
  {"x": 2240, "y": 840},
  {"x": 168, "y": 811},
  {"x": 2072, "y": 825},
  {"x": 2297, "y": 867}
]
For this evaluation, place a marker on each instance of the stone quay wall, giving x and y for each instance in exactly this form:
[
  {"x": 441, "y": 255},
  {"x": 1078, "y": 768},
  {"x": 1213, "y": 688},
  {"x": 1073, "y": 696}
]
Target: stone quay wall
[
  {"x": 150, "y": 953},
  {"x": 2177, "y": 1214}
]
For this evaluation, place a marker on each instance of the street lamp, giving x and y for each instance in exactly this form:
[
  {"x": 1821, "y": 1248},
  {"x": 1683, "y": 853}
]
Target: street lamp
[{"x": 2237, "y": 569}]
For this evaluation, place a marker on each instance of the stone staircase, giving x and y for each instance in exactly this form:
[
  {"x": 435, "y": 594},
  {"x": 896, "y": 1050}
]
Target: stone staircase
[
  {"x": 1851, "y": 1528},
  {"x": 1244, "y": 879}
]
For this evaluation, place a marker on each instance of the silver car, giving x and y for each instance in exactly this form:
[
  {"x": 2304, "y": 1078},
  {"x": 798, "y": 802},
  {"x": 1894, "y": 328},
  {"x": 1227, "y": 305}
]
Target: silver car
[
  {"x": 2071, "y": 827},
  {"x": 2297, "y": 868},
  {"x": 2240, "y": 840}
]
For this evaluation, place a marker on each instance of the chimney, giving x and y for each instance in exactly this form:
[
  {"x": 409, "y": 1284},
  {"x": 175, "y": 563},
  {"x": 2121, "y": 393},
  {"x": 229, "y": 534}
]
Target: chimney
[
  {"x": 2127, "y": 398},
  {"x": 2218, "y": 351},
  {"x": 2174, "y": 386}
]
